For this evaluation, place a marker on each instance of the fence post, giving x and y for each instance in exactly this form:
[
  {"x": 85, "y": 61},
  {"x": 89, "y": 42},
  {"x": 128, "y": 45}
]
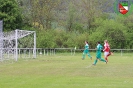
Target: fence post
[
  {"x": 29, "y": 52},
  {"x": 54, "y": 51},
  {"x": 71, "y": 51},
  {"x": 74, "y": 51},
  {"x": 50, "y": 52},
  {"x": 37, "y": 52},
  {"x": 47, "y": 52},
  {"x": 121, "y": 52},
  {"x": 44, "y": 51},
  {"x": 19, "y": 53}
]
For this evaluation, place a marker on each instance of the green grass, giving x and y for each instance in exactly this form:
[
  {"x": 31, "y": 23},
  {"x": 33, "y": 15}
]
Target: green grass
[{"x": 66, "y": 71}]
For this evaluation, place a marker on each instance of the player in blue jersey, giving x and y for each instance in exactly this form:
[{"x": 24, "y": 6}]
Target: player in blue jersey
[
  {"x": 86, "y": 51},
  {"x": 98, "y": 53}
]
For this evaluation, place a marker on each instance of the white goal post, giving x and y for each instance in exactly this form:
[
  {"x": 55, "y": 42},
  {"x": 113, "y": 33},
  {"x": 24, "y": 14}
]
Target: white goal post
[{"x": 13, "y": 43}]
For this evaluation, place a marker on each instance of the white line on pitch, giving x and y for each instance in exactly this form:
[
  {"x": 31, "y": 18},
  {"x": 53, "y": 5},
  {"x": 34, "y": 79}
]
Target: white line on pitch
[{"x": 89, "y": 66}]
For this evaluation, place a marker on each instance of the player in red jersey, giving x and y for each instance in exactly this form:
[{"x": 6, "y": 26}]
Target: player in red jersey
[{"x": 106, "y": 50}]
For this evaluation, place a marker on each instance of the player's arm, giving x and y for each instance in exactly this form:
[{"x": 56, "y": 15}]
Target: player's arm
[{"x": 105, "y": 48}]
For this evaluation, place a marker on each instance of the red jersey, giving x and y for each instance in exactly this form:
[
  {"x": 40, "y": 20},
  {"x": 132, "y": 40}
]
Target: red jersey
[{"x": 106, "y": 47}]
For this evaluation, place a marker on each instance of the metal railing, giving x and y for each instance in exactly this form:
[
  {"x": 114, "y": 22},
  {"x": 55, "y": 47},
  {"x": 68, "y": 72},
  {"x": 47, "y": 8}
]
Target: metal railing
[
  {"x": 73, "y": 51},
  {"x": 29, "y": 52}
]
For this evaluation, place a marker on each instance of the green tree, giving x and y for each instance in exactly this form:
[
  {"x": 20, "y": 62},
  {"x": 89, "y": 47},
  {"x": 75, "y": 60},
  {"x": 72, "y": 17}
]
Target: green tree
[
  {"x": 91, "y": 9},
  {"x": 129, "y": 29},
  {"x": 45, "y": 39},
  {"x": 10, "y": 14},
  {"x": 127, "y": 22},
  {"x": 111, "y": 30},
  {"x": 71, "y": 15},
  {"x": 41, "y": 13}
]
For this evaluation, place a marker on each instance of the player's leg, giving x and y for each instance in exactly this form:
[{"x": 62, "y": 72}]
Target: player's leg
[
  {"x": 103, "y": 60},
  {"x": 106, "y": 56},
  {"x": 89, "y": 55},
  {"x": 97, "y": 57},
  {"x": 83, "y": 56},
  {"x": 95, "y": 62},
  {"x": 110, "y": 53}
]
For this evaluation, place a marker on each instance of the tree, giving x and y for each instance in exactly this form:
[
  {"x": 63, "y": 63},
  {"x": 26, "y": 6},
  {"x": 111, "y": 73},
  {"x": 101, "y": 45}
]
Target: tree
[
  {"x": 91, "y": 9},
  {"x": 71, "y": 15},
  {"x": 73, "y": 21},
  {"x": 111, "y": 30},
  {"x": 41, "y": 12},
  {"x": 129, "y": 29},
  {"x": 10, "y": 14}
]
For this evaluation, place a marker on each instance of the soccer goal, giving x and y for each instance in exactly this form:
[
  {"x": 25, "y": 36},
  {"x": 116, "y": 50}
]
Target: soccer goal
[{"x": 17, "y": 44}]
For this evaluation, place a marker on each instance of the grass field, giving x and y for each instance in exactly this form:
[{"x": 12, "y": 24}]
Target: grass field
[{"x": 66, "y": 71}]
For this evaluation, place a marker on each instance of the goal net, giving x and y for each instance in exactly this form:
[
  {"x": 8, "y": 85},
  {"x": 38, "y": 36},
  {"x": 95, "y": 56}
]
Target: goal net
[{"x": 17, "y": 44}]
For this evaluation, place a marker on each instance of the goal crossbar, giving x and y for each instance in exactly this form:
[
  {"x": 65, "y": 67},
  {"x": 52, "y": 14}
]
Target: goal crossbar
[{"x": 20, "y": 34}]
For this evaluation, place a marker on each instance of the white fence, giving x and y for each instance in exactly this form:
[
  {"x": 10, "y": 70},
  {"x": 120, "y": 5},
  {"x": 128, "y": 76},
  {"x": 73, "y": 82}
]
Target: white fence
[
  {"x": 73, "y": 51},
  {"x": 29, "y": 52}
]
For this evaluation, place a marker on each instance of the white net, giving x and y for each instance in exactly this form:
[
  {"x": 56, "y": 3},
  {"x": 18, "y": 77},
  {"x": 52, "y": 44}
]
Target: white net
[
  {"x": 26, "y": 44},
  {"x": 15, "y": 43}
]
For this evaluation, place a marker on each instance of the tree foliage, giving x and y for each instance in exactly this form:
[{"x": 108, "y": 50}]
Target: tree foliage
[
  {"x": 112, "y": 31},
  {"x": 41, "y": 13},
  {"x": 10, "y": 14}
]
